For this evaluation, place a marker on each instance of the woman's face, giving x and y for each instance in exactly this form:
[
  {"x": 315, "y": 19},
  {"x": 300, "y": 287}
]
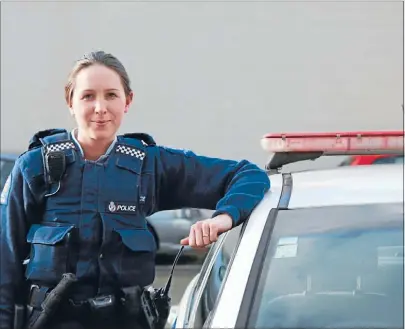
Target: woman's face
[{"x": 99, "y": 102}]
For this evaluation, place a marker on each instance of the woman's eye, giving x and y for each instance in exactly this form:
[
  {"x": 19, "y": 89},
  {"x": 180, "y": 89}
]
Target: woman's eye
[
  {"x": 87, "y": 97},
  {"x": 111, "y": 95}
]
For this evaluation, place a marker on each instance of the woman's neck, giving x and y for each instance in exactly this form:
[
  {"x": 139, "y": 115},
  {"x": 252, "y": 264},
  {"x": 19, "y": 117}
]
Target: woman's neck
[{"x": 93, "y": 149}]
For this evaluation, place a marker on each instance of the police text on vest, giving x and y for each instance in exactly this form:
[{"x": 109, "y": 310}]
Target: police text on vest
[{"x": 120, "y": 207}]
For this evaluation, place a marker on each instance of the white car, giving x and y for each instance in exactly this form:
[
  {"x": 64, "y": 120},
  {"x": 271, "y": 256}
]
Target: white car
[{"x": 324, "y": 249}]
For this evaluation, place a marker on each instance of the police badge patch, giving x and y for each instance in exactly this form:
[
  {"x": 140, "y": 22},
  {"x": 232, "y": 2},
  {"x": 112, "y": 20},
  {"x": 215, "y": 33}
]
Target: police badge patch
[
  {"x": 6, "y": 190},
  {"x": 121, "y": 207}
]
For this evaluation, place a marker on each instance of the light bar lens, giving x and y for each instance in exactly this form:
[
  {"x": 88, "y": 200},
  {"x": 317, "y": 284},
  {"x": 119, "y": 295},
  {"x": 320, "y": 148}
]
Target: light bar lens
[{"x": 357, "y": 143}]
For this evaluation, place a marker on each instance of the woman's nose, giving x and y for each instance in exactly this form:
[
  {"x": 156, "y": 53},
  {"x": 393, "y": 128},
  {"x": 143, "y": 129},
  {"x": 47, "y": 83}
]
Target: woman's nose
[{"x": 100, "y": 107}]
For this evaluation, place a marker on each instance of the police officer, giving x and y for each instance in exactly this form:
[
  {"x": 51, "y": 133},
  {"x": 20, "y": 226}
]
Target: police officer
[{"x": 77, "y": 201}]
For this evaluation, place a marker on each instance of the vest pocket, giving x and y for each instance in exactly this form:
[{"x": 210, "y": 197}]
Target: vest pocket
[
  {"x": 137, "y": 260},
  {"x": 49, "y": 257}
]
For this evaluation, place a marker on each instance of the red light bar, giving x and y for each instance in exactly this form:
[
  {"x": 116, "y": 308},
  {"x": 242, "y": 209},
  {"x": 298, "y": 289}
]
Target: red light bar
[{"x": 339, "y": 143}]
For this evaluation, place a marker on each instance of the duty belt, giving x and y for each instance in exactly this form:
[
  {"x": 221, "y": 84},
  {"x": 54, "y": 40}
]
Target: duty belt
[{"x": 103, "y": 305}]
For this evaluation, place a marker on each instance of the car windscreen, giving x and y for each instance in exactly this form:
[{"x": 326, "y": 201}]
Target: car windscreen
[{"x": 336, "y": 267}]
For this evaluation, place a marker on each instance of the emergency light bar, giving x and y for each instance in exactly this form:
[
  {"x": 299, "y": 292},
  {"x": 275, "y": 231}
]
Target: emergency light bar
[{"x": 292, "y": 147}]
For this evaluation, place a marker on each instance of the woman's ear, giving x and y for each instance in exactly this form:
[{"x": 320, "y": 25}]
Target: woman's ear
[
  {"x": 69, "y": 105},
  {"x": 129, "y": 100}
]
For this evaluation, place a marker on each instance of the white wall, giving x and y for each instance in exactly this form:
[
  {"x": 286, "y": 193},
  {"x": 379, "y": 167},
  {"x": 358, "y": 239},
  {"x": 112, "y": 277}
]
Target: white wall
[{"x": 213, "y": 77}]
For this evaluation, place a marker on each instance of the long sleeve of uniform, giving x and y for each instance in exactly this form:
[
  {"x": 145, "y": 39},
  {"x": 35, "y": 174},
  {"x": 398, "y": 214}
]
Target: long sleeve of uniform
[
  {"x": 17, "y": 207},
  {"x": 185, "y": 179}
]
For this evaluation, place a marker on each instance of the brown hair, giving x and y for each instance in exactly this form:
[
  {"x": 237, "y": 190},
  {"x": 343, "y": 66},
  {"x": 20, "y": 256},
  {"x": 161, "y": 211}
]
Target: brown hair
[{"x": 101, "y": 58}]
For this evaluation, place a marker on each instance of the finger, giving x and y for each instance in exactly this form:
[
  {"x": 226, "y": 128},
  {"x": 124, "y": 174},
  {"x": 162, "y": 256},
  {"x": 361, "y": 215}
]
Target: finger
[
  {"x": 185, "y": 241},
  {"x": 206, "y": 233},
  {"x": 192, "y": 238},
  {"x": 198, "y": 235},
  {"x": 213, "y": 233}
]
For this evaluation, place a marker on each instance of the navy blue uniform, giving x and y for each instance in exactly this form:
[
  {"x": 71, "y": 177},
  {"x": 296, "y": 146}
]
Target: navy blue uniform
[{"x": 94, "y": 225}]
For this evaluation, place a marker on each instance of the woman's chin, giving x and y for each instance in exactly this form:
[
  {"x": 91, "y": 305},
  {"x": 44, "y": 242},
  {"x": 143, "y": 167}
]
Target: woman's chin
[{"x": 103, "y": 135}]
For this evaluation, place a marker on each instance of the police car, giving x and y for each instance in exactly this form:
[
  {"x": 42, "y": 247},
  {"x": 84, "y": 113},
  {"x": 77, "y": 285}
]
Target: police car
[{"x": 324, "y": 249}]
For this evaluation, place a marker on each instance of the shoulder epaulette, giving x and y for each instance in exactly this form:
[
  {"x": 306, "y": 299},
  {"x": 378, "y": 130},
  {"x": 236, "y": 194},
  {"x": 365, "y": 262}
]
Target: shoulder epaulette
[
  {"x": 146, "y": 139},
  {"x": 35, "y": 141}
]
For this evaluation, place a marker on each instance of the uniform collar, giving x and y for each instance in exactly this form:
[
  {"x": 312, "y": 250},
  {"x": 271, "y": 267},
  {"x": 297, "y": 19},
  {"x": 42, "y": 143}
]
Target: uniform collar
[{"x": 107, "y": 153}]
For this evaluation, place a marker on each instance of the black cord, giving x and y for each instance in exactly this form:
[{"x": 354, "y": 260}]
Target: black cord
[{"x": 169, "y": 281}]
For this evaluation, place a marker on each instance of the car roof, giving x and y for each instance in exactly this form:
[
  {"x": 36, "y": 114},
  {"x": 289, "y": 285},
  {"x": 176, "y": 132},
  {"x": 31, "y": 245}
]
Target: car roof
[
  {"x": 345, "y": 186},
  {"x": 8, "y": 156}
]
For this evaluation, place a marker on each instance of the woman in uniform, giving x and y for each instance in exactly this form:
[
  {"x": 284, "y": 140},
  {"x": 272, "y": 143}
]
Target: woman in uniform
[{"x": 76, "y": 202}]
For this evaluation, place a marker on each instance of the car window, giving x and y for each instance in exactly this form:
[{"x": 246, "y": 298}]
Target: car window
[
  {"x": 216, "y": 276},
  {"x": 195, "y": 213},
  {"x": 190, "y": 213},
  {"x": 389, "y": 160},
  {"x": 165, "y": 214},
  {"x": 336, "y": 267},
  {"x": 200, "y": 282},
  {"x": 5, "y": 170}
]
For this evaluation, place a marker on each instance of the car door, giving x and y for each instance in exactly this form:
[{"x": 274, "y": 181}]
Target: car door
[
  {"x": 208, "y": 287},
  {"x": 192, "y": 294}
]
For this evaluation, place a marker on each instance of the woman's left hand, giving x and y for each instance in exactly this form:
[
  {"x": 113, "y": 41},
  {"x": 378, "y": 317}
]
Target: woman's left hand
[{"x": 205, "y": 232}]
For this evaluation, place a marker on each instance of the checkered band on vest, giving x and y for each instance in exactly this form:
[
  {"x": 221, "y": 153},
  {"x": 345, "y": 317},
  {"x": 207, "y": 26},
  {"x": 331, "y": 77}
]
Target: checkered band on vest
[
  {"x": 131, "y": 151},
  {"x": 60, "y": 146}
]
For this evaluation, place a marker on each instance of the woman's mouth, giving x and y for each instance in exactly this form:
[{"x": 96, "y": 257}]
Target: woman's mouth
[{"x": 101, "y": 122}]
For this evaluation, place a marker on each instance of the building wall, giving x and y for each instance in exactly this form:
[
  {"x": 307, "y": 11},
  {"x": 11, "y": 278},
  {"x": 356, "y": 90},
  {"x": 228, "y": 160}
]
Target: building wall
[{"x": 213, "y": 77}]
